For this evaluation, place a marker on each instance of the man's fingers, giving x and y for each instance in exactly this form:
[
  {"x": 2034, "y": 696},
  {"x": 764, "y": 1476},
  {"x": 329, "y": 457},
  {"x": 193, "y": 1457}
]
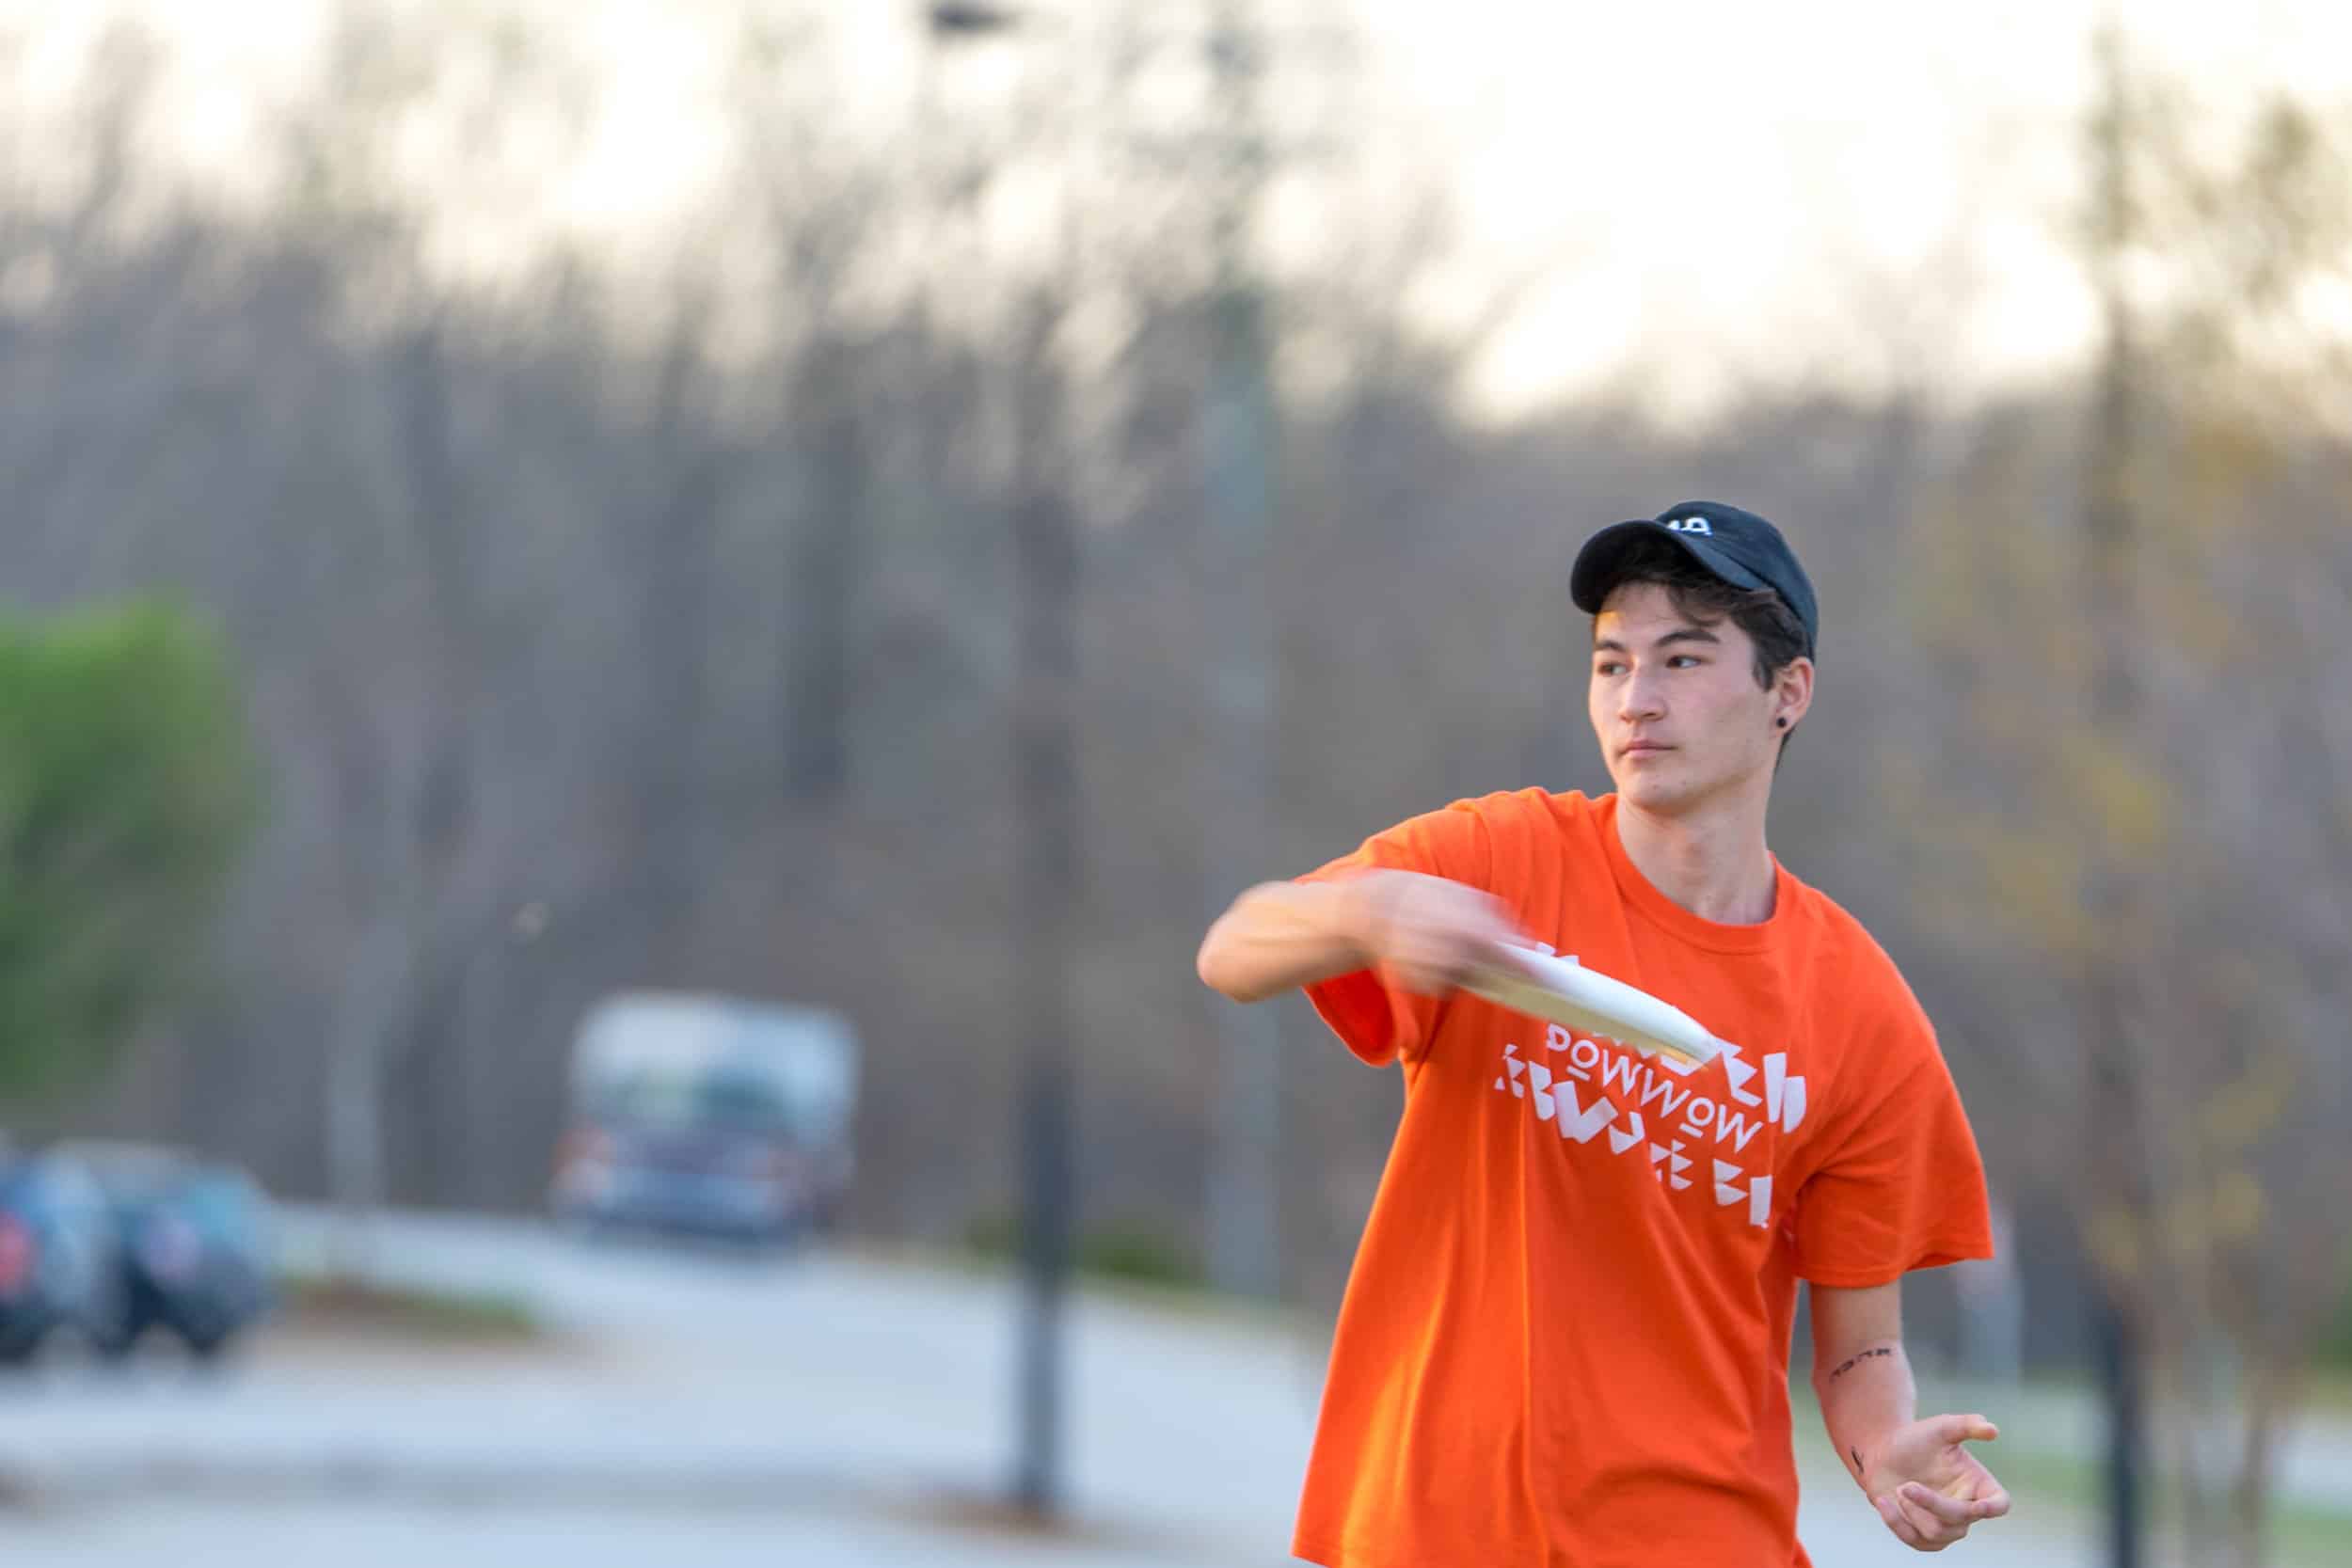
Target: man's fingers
[
  {"x": 1425, "y": 968},
  {"x": 1965, "y": 1428},
  {"x": 1992, "y": 1497},
  {"x": 1931, "y": 1528},
  {"x": 1432, "y": 963},
  {"x": 1891, "y": 1512},
  {"x": 1943, "y": 1510}
]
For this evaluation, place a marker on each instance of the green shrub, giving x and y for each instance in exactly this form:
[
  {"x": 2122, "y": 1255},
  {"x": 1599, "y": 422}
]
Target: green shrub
[
  {"x": 127, "y": 785},
  {"x": 1128, "y": 1250}
]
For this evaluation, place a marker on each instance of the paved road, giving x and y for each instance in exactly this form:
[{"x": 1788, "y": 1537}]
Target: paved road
[{"x": 700, "y": 1408}]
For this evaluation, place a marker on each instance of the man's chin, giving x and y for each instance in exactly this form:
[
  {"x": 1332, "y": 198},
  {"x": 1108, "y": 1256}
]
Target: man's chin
[
  {"x": 1657, "y": 790},
  {"x": 1642, "y": 788},
  {"x": 1670, "y": 790}
]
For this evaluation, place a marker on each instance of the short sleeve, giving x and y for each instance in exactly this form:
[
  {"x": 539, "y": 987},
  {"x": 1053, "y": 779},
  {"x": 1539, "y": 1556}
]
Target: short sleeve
[
  {"x": 1377, "y": 1019},
  {"x": 1903, "y": 1187}
]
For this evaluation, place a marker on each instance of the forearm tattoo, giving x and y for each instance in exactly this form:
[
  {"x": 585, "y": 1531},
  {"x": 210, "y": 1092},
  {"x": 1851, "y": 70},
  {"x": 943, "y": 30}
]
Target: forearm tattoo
[{"x": 1853, "y": 1361}]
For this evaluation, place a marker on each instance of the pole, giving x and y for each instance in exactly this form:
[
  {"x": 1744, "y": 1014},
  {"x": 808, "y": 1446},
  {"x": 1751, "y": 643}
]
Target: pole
[
  {"x": 1045, "y": 809},
  {"x": 1243, "y": 1178},
  {"x": 2115, "y": 1341},
  {"x": 2111, "y": 1080}
]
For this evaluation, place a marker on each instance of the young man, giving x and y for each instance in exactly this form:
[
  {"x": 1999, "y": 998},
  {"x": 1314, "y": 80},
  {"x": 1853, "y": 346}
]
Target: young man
[{"x": 1566, "y": 1340}]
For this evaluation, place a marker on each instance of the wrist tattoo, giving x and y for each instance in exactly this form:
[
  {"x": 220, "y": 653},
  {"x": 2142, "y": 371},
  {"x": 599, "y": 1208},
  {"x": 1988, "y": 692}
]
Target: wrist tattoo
[{"x": 1853, "y": 1361}]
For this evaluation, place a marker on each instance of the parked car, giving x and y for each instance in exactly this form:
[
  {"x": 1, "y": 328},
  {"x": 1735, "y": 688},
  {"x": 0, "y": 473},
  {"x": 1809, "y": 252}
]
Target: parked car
[
  {"x": 193, "y": 1244},
  {"x": 708, "y": 1115},
  {"x": 60, "y": 1256}
]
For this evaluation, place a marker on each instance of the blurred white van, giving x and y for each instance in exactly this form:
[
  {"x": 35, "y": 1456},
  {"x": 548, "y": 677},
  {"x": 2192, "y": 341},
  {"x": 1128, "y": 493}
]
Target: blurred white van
[{"x": 708, "y": 1115}]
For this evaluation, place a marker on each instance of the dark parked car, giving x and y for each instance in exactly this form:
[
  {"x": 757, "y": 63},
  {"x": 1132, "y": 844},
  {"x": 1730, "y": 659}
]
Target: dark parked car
[
  {"x": 193, "y": 1244},
  {"x": 60, "y": 1256}
]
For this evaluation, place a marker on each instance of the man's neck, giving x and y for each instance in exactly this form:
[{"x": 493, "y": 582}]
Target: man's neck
[{"x": 1713, "y": 862}]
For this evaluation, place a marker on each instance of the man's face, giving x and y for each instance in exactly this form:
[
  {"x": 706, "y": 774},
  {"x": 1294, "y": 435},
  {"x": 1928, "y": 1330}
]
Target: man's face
[{"x": 1675, "y": 705}]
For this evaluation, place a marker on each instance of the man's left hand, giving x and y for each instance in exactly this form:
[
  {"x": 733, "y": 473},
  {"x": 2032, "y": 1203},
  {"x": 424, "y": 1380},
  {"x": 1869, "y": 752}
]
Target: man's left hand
[{"x": 1928, "y": 1487}]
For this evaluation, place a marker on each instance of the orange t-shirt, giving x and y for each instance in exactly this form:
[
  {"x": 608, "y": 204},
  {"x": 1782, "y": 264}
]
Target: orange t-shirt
[{"x": 1565, "y": 1344}]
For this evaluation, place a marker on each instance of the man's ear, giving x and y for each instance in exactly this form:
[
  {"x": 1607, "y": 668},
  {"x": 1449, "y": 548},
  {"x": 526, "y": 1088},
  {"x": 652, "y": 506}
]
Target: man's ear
[{"x": 1792, "y": 693}]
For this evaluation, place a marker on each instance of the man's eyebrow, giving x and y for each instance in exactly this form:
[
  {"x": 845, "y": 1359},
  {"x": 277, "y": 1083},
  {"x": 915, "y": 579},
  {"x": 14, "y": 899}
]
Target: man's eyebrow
[{"x": 1681, "y": 634}]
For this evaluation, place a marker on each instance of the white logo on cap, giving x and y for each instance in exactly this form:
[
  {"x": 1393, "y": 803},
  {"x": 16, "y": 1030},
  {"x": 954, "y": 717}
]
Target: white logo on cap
[{"x": 1691, "y": 524}]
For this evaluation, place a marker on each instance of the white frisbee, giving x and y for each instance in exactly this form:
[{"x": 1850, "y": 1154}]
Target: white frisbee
[{"x": 1565, "y": 992}]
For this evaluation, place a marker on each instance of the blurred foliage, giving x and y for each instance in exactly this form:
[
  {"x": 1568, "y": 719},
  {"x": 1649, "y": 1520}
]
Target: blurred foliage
[
  {"x": 342, "y": 1303},
  {"x": 1127, "y": 1250},
  {"x": 2101, "y": 796},
  {"x": 2335, "y": 1347},
  {"x": 126, "y": 787},
  {"x": 2132, "y": 753}
]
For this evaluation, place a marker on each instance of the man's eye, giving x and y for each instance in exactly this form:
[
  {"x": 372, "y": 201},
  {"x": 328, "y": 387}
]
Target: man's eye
[
  {"x": 1683, "y": 661},
  {"x": 1607, "y": 667}
]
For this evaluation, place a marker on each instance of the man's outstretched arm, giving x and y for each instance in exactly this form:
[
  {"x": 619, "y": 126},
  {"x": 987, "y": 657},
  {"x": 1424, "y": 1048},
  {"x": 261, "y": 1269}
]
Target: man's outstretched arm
[
  {"x": 1426, "y": 931},
  {"x": 1925, "y": 1484}
]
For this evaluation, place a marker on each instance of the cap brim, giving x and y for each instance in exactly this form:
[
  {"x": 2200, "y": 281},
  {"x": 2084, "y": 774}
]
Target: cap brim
[{"x": 1601, "y": 563}]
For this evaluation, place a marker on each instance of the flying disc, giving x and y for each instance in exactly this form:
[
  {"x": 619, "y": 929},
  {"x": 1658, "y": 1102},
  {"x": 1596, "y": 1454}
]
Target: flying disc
[{"x": 1562, "y": 990}]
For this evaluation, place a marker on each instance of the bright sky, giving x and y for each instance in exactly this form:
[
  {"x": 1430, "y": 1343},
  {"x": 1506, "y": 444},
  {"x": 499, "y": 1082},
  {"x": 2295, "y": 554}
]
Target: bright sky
[
  {"x": 1733, "y": 190},
  {"x": 1689, "y": 197}
]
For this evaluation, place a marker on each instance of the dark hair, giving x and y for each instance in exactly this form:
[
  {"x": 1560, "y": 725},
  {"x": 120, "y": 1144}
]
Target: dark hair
[{"x": 1763, "y": 614}]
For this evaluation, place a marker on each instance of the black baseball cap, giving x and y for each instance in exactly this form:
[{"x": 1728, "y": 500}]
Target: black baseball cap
[{"x": 1726, "y": 542}]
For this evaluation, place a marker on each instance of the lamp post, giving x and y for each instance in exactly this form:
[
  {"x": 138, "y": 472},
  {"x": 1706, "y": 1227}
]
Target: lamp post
[
  {"x": 1046, "y": 871},
  {"x": 1244, "y": 1189},
  {"x": 1238, "y": 419}
]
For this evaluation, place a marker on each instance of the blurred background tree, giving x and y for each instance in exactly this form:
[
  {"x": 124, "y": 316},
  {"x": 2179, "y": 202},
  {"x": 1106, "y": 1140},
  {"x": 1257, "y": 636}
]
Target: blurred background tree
[
  {"x": 2126, "y": 795},
  {"x": 126, "y": 790}
]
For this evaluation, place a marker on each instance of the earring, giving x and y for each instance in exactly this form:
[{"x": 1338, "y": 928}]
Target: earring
[{"x": 1782, "y": 722}]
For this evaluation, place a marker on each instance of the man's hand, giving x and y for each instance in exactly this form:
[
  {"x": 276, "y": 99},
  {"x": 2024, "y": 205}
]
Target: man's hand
[
  {"x": 1429, "y": 932},
  {"x": 1928, "y": 1487}
]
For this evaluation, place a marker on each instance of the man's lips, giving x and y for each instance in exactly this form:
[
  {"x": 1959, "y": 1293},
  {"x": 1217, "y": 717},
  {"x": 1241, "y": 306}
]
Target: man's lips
[{"x": 1643, "y": 748}]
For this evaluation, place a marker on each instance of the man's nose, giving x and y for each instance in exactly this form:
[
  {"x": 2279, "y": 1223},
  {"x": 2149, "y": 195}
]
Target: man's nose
[{"x": 1641, "y": 698}]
